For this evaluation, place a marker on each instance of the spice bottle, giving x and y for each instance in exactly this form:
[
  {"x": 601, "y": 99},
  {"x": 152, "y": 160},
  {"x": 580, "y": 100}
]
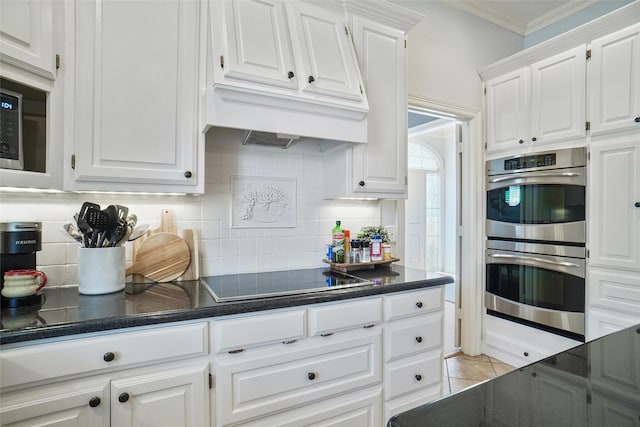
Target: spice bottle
[
  {"x": 356, "y": 252},
  {"x": 376, "y": 248},
  {"x": 347, "y": 246},
  {"x": 366, "y": 252}
]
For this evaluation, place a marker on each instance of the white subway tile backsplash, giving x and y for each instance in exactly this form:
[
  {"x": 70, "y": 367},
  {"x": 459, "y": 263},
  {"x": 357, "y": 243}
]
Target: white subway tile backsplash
[{"x": 222, "y": 249}]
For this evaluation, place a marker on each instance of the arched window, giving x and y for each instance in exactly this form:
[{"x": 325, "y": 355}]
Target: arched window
[{"x": 424, "y": 159}]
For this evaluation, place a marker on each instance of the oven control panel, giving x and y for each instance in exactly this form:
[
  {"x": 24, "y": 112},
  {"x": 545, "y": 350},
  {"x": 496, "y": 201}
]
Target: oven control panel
[{"x": 527, "y": 162}]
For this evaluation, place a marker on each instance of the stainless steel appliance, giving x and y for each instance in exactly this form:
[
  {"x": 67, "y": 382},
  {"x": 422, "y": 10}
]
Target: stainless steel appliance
[
  {"x": 540, "y": 285},
  {"x": 538, "y": 196},
  {"x": 11, "y": 151},
  {"x": 536, "y": 234}
]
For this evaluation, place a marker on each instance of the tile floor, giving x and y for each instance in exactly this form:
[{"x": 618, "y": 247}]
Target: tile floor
[{"x": 462, "y": 371}]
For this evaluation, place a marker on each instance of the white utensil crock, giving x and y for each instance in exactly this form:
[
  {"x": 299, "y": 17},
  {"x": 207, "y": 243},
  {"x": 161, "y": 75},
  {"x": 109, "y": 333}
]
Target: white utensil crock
[{"x": 101, "y": 270}]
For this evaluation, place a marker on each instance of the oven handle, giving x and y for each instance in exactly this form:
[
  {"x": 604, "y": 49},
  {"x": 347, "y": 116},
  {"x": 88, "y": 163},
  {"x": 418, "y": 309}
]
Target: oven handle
[
  {"x": 529, "y": 175},
  {"x": 536, "y": 259}
]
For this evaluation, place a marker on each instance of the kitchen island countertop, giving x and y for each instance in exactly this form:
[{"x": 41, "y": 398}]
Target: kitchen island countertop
[
  {"x": 65, "y": 312},
  {"x": 593, "y": 384}
]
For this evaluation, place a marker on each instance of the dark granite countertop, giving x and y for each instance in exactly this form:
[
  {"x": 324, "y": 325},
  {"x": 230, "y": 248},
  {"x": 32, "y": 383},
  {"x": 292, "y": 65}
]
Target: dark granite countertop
[
  {"x": 65, "y": 312},
  {"x": 593, "y": 384}
]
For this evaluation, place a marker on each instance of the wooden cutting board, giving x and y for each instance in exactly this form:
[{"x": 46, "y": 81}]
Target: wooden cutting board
[
  {"x": 193, "y": 272},
  {"x": 162, "y": 257}
]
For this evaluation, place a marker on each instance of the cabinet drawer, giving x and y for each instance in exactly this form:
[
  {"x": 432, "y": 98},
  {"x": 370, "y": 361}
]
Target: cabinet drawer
[
  {"x": 258, "y": 330},
  {"x": 411, "y": 336},
  {"x": 347, "y": 315},
  {"x": 263, "y": 382},
  {"x": 74, "y": 357},
  {"x": 412, "y": 374},
  {"x": 412, "y": 303}
]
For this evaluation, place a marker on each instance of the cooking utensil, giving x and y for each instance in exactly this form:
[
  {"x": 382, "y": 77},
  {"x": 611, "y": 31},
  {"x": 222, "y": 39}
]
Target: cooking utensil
[
  {"x": 116, "y": 232},
  {"x": 138, "y": 231},
  {"x": 73, "y": 232},
  {"x": 99, "y": 221},
  {"x": 83, "y": 225},
  {"x": 162, "y": 257}
]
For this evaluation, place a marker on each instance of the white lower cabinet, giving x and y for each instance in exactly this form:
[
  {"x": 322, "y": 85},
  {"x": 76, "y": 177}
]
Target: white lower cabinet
[
  {"x": 151, "y": 376},
  {"x": 257, "y": 383}
]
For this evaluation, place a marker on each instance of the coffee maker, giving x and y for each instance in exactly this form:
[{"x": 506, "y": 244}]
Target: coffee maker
[{"x": 19, "y": 242}]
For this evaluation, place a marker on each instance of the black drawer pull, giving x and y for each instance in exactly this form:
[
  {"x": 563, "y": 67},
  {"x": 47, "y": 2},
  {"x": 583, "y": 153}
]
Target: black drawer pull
[
  {"x": 109, "y": 356},
  {"x": 240, "y": 350},
  {"x": 419, "y": 339},
  {"x": 94, "y": 402},
  {"x": 123, "y": 397},
  {"x": 521, "y": 141},
  {"x": 311, "y": 376},
  {"x": 311, "y": 79},
  {"x": 368, "y": 326},
  {"x": 361, "y": 183},
  {"x": 637, "y": 120},
  {"x": 290, "y": 74},
  {"x": 526, "y": 354},
  {"x": 534, "y": 139},
  {"x": 418, "y": 377},
  {"x": 637, "y": 204},
  {"x": 327, "y": 334},
  {"x": 289, "y": 341},
  {"x": 419, "y": 304},
  {"x": 188, "y": 174}
]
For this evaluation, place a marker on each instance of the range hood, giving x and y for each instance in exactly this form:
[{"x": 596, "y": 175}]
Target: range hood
[{"x": 303, "y": 80}]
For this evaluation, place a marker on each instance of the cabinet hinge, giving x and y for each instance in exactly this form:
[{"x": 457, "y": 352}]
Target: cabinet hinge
[
  {"x": 588, "y": 253},
  {"x": 406, "y": 181},
  {"x": 210, "y": 381},
  {"x": 57, "y": 61},
  {"x": 346, "y": 30},
  {"x": 221, "y": 61},
  {"x": 588, "y": 156},
  {"x": 405, "y": 43},
  {"x": 485, "y": 90},
  {"x": 588, "y": 398},
  {"x": 588, "y": 53},
  {"x": 361, "y": 91},
  {"x": 485, "y": 145},
  {"x": 73, "y": 161},
  {"x": 587, "y": 125}
]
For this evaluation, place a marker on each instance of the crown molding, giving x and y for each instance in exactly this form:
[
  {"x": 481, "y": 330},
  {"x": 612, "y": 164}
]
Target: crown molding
[
  {"x": 384, "y": 12},
  {"x": 557, "y": 14},
  {"x": 490, "y": 14}
]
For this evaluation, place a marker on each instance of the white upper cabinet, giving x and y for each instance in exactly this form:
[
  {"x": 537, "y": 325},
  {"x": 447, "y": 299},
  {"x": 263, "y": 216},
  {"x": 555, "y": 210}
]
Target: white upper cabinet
[
  {"x": 539, "y": 104},
  {"x": 328, "y": 64},
  {"x": 507, "y": 110},
  {"x": 27, "y": 38},
  {"x": 138, "y": 83},
  {"x": 259, "y": 46},
  {"x": 290, "y": 47},
  {"x": 614, "y": 82}
]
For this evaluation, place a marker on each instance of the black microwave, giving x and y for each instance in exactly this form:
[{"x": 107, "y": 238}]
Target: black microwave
[{"x": 11, "y": 150}]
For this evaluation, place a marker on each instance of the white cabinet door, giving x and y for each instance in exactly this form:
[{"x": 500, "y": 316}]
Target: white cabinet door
[
  {"x": 137, "y": 83},
  {"x": 539, "y": 104},
  {"x": 74, "y": 403},
  {"x": 380, "y": 166},
  {"x": 329, "y": 67},
  {"x": 26, "y": 39},
  {"x": 558, "y": 97},
  {"x": 172, "y": 399},
  {"x": 258, "y": 48},
  {"x": 614, "y": 82},
  {"x": 614, "y": 229},
  {"x": 508, "y": 111}
]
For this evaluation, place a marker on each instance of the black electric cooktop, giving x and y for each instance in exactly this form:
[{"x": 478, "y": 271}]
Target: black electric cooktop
[{"x": 248, "y": 286}]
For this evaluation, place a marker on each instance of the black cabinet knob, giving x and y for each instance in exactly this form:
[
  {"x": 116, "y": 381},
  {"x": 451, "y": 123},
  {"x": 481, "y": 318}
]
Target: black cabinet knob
[
  {"x": 418, "y": 377},
  {"x": 108, "y": 356},
  {"x": 637, "y": 204},
  {"x": 311, "y": 376},
  {"x": 123, "y": 397},
  {"x": 361, "y": 183},
  {"x": 188, "y": 174},
  {"x": 534, "y": 139},
  {"x": 419, "y": 339},
  {"x": 95, "y": 401},
  {"x": 526, "y": 354},
  {"x": 419, "y": 304},
  {"x": 637, "y": 120},
  {"x": 311, "y": 79},
  {"x": 290, "y": 74},
  {"x": 521, "y": 141}
]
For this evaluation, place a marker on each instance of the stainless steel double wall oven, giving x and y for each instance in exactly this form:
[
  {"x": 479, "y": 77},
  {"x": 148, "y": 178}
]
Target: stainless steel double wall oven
[{"x": 536, "y": 233}]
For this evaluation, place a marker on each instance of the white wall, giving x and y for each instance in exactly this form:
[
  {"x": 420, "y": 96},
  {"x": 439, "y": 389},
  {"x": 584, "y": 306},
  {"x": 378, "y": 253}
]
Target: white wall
[
  {"x": 223, "y": 250},
  {"x": 448, "y": 48}
]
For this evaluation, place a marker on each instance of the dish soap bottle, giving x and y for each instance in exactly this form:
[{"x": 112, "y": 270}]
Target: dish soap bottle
[{"x": 338, "y": 243}]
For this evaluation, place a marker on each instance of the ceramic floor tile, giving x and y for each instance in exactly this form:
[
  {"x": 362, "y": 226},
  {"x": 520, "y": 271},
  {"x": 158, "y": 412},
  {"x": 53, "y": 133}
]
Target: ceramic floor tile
[
  {"x": 458, "y": 384},
  {"x": 478, "y": 358},
  {"x": 502, "y": 368},
  {"x": 469, "y": 369}
]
